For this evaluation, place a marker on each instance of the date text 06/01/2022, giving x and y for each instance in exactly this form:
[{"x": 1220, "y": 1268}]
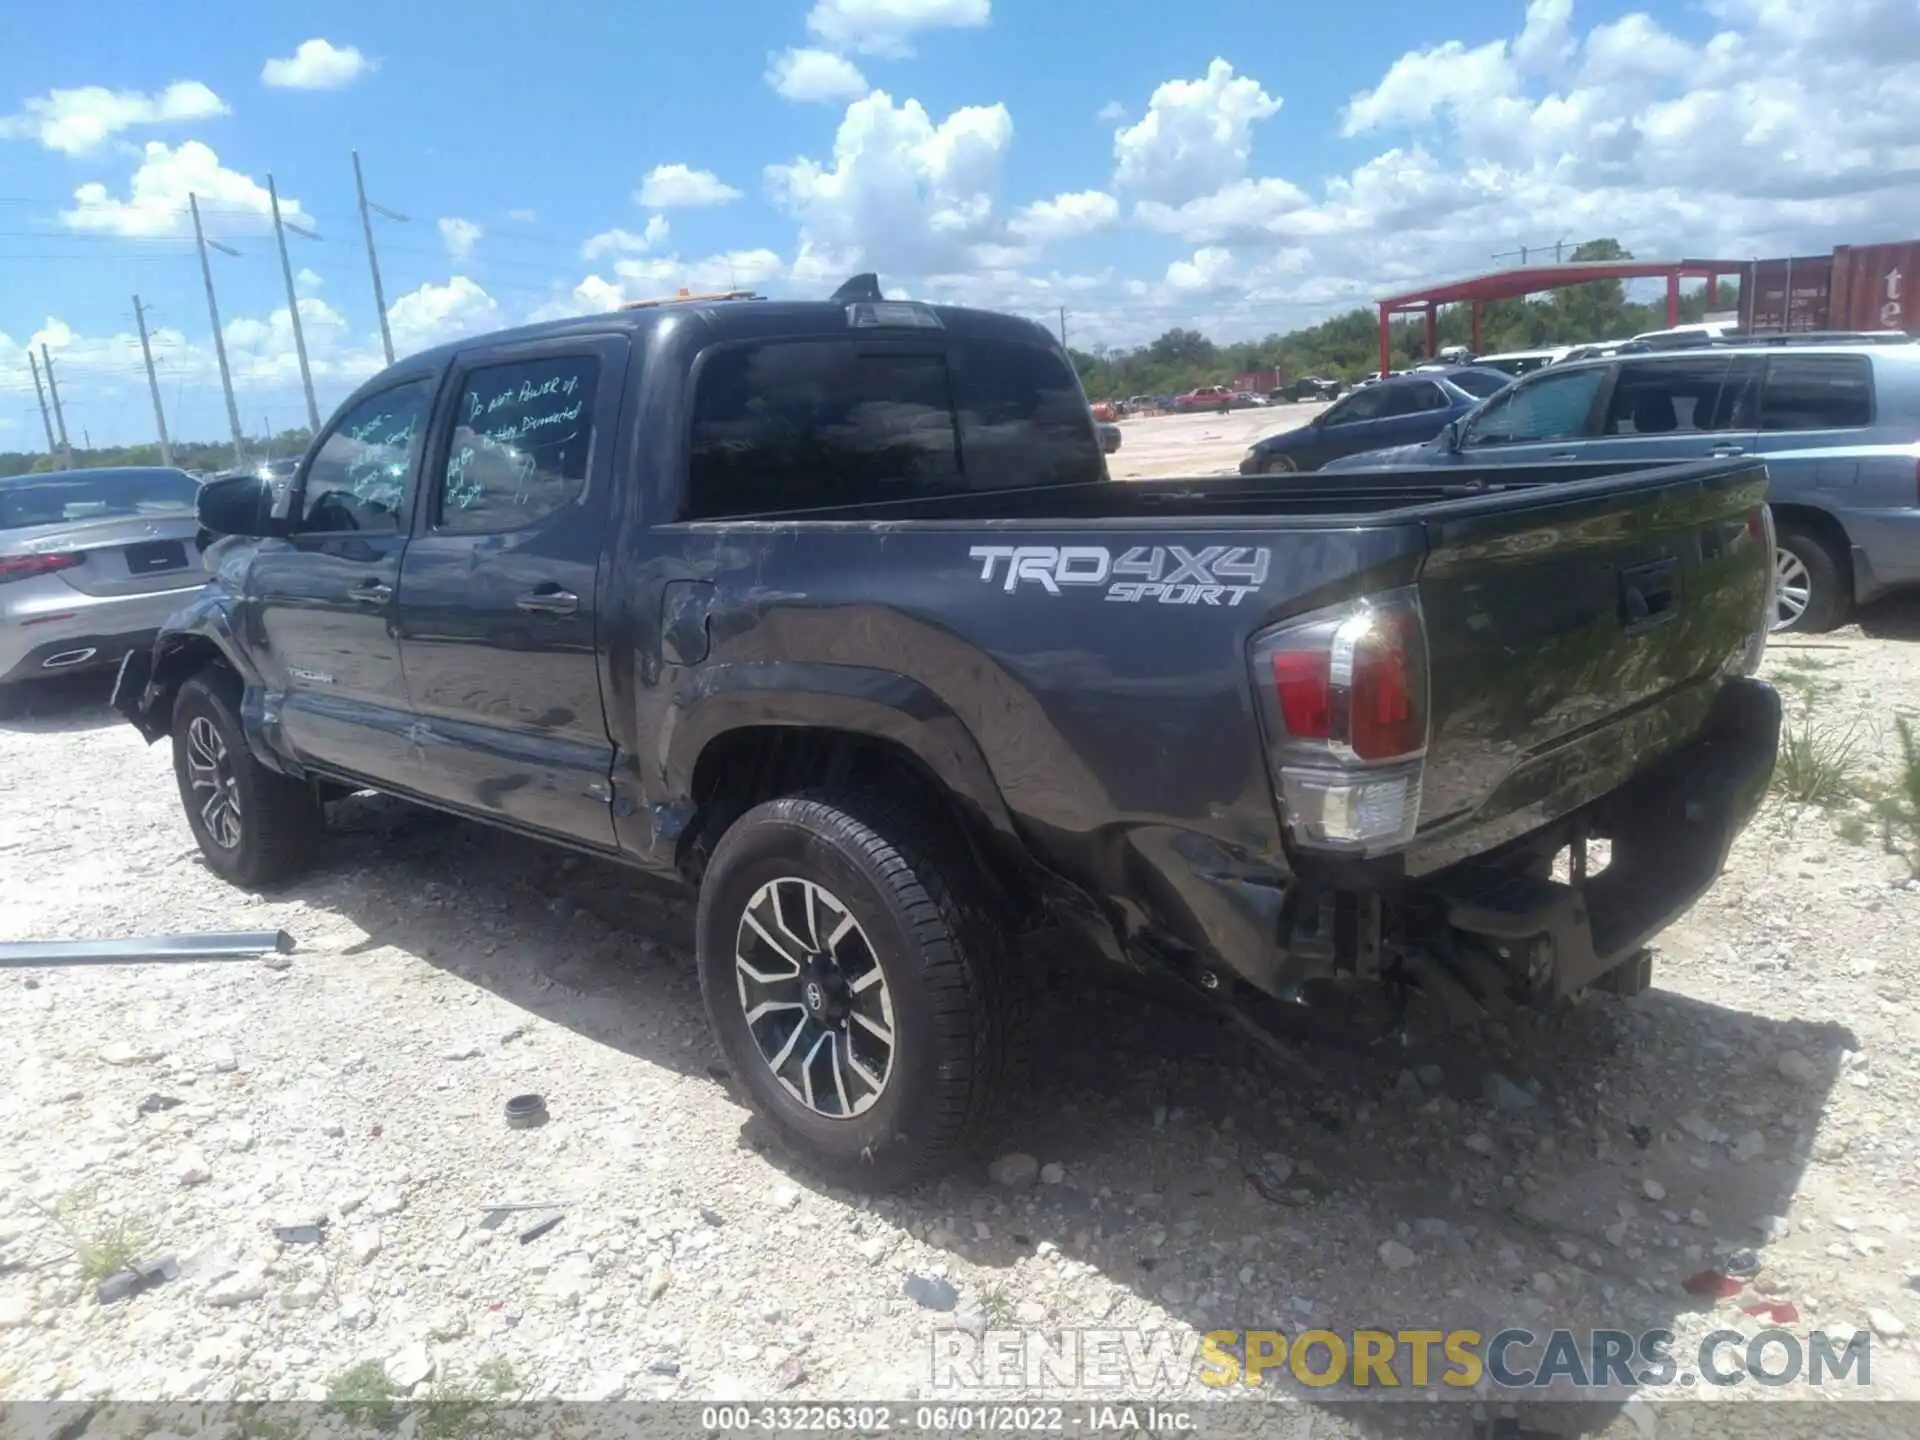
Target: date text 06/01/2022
[{"x": 1092, "y": 1419}]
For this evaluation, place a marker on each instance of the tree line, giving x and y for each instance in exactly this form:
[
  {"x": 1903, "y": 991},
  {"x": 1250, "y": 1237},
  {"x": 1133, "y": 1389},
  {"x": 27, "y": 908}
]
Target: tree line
[
  {"x": 203, "y": 455},
  {"x": 1347, "y": 347}
]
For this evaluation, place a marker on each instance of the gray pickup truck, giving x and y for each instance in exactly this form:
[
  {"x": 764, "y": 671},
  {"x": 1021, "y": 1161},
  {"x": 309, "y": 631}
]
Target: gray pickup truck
[{"x": 829, "y": 609}]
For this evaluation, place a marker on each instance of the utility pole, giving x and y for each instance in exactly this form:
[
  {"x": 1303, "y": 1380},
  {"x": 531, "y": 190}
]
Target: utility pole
[
  {"x": 59, "y": 419},
  {"x": 293, "y": 308},
  {"x": 373, "y": 264},
  {"x": 219, "y": 341},
  {"x": 45, "y": 418},
  {"x": 1063, "y": 327},
  {"x": 153, "y": 384}
]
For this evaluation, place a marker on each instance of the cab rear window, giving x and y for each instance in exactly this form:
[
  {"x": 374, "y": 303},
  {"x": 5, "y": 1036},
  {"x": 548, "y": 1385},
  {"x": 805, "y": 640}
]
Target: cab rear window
[{"x": 795, "y": 425}]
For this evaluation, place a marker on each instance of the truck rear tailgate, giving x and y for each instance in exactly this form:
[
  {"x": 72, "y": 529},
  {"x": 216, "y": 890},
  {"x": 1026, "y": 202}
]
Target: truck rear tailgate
[{"x": 1576, "y": 633}]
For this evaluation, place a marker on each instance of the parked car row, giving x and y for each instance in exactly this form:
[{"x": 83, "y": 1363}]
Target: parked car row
[
  {"x": 1395, "y": 411},
  {"x": 1838, "y": 426}
]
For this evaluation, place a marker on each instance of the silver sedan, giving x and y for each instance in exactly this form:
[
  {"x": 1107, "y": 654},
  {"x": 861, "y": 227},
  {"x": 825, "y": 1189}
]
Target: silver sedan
[{"x": 91, "y": 563}]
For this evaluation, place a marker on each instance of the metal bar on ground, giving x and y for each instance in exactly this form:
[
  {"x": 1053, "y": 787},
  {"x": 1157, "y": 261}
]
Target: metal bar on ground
[{"x": 146, "y": 949}]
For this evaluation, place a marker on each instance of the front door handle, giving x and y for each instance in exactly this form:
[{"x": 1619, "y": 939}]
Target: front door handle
[
  {"x": 371, "y": 592},
  {"x": 1564, "y": 455},
  {"x": 548, "y": 600},
  {"x": 1724, "y": 451}
]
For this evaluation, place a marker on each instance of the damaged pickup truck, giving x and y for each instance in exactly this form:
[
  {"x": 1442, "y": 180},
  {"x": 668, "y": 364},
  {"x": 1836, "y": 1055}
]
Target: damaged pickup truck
[{"x": 829, "y": 609}]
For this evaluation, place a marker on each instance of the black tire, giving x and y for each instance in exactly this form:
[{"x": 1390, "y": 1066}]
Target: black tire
[
  {"x": 278, "y": 820},
  {"x": 945, "y": 976},
  {"x": 1828, "y": 598}
]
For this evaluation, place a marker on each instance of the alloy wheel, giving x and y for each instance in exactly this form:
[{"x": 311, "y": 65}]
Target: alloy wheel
[
  {"x": 815, "y": 997},
  {"x": 1792, "y": 588},
  {"x": 210, "y": 772}
]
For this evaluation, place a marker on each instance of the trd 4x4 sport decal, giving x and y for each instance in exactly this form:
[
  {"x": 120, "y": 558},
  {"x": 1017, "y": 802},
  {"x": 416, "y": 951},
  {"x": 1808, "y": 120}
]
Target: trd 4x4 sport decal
[{"x": 1165, "y": 574}]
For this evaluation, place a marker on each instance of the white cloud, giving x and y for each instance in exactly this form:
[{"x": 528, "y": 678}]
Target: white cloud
[
  {"x": 667, "y": 186},
  {"x": 901, "y": 193},
  {"x": 316, "y": 65},
  {"x": 459, "y": 236},
  {"x": 1065, "y": 216},
  {"x": 77, "y": 121},
  {"x": 307, "y": 282},
  {"x": 1196, "y": 136},
  {"x": 887, "y": 27},
  {"x": 524, "y": 217},
  {"x": 1242, "y": 211},
  {"x": 435, "y": 314},
  {"x": 1209, "y": 269},
  {"x": 730, "y": 270},
  {"x": 1111, "y": 113},
  {"x": 818, "y": 75},
  {"x": 619, "y": 242},
  {"x": 1424, "y": 82},
  {"x": 156, "y": 202}
]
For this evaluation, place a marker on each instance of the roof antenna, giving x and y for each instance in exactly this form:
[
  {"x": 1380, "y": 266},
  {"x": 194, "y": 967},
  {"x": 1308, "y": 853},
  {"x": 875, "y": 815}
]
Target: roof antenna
[{"x": 861, "y": 288}]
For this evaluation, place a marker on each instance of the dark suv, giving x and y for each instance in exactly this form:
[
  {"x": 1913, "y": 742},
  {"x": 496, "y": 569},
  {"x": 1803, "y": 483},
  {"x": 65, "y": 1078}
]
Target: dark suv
[{"x": 1837, "y": 424}]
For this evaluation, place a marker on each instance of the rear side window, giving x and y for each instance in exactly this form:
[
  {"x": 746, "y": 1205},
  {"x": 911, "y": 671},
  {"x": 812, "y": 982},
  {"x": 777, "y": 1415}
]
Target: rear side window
[
  {"x": 1669, "y": 397},
  {"x": 1817, "y": 392},
  {"x": 1414, "y": 399},
  {"x": 1480, "y": 383},
  {"x": 791, "y": 425},
  {"x": 520, "y": 443}
]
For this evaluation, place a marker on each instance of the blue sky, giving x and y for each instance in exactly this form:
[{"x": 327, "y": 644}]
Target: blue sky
[{"x": 1242, "y": 169}]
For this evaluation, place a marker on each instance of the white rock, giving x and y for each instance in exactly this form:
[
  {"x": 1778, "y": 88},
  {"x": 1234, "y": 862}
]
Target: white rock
[
  {"x": 1750, "y": 1146},
  {"x": 356, "y": 1312},
  {"x": 447, "y": 1324},
  {"x": 303, "y": 1296},
  {"x": 1798, "y": 1068},
  {"x": 1015, "y": 1170},
  {"x": 240, "y": 1139},
  {"x": 190, "y": 1168},
  {"x": 1653, "y": 1189},
  {"x": 364, "y": 1244},
  {"x": 1479, "y": 1144},
  {"x": 386, "y": 1202},
  {"x": 1886, "y": 1324},
  {"x": 1052, "y": 1173},
  {"x": 1030, "y": 1312},
  {"x": 1396, "y": 1256},
  {"x": 409, "y": 1367},
  {"x": 221, "y": 1059},
  {"x": 874, "y": 1248},
  {"x": 15, "y": 1312},
  {"x": 238, "y": 1289},
  {"x": 659, "y": 1276},
  {"x": 785, "y": 1197}
]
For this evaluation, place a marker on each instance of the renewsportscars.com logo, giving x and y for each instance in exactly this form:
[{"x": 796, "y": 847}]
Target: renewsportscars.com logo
[{"x": 1165, "y": 574}]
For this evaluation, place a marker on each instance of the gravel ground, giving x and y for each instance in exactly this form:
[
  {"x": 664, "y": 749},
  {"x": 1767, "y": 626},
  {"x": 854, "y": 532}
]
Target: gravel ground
[
  {"x": 1570, "y": 1172},
  {"x": 1156, "y": 446}
]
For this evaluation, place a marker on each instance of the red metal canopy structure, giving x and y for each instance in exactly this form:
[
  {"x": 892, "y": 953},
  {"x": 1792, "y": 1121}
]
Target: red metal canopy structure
[{"x": 1523, "y": 280}]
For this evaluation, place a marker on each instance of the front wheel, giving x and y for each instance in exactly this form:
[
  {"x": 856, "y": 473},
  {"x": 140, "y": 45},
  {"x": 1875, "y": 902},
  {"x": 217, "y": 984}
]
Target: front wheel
[
  {"x": 255, "y": 827},
  {"x": 852, "y": 991},
  {"x": 1809, "y": 584}
]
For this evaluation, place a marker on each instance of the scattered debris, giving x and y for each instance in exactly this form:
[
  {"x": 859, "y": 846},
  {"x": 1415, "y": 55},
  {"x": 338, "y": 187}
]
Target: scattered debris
[
  {"x": 538, "y": 1228},
  {"x": 150, "y": 949},
  {"x": 1501, "y": 1093},
  {"x": 790, "y": 1372},
  {"x": 1052, "y": 1173},
  {"x": 1886, "y": 1324},
  {"x": 410, "y": 1367},
  {"x": 1641, "y": 1135},
  {"x": 1653, "y": 1189},
  {"x": 1743, "y": 1262},
  {"x": 1396, "y": 1256},
  {"x": 1780, "y": 1312},
  {"x": 300, "y": 1234},
  {"x": 525, "y": 1112},
  {"x": 931, "y": 1292},
  {"x": 156, "y": 1103},
  {"x": 135, "y": 1278},
  {"x": 1713, "y": 1285}
]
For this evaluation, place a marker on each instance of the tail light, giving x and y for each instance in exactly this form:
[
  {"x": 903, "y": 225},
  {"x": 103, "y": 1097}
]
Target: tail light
[
  {"x": 1760, "y": 528},
  {"x": 1343, "y": 693},
  {"x": 25, "y": 567}
]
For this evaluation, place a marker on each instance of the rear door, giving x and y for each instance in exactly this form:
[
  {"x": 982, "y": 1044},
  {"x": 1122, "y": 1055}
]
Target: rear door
[
  {"x": 1351, "y": 426},
  {"x": 1689, "y": 407},
  {"x": 500, "y": 592},
  {"x": 324, "y": 598},
  {"x": 1816, "y": 415}
]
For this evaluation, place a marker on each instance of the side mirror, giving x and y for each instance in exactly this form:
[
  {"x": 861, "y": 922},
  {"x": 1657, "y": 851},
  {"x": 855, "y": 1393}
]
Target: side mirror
[
  {"x": 240, "y": 505},
  {"x": 1453, "y": 434}
]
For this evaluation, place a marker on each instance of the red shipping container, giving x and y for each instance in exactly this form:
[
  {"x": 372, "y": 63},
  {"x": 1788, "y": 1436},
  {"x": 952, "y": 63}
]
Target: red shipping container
[
  {"x": 1874, "y": 286},
  {"x": 1790, "y": 294}
]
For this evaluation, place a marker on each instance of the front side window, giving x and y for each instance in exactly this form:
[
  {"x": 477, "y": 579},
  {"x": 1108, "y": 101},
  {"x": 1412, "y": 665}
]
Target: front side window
[
  {"x": 1669, "y": 397},
  {"x": 521, "y": 438},
  {"x": 1553, "y": 407},
  {"x": 358, "y": 481},
  {"x": 1817, "y": 392}
]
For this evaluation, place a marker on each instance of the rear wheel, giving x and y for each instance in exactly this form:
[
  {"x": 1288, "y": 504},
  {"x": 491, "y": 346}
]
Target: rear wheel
[
  {"x": 1809, "y": 583},
  {"x": 851, "y": 989},
  {"x": 254, "y": 826}
]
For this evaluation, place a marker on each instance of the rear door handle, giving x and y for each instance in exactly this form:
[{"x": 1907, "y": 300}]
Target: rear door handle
[
  {"x": 1723, "y": 451},
  {"x": 1564, "y": 455},
  {"x": 548, "y": 600},
  {"x": 371, "y": 592}
]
